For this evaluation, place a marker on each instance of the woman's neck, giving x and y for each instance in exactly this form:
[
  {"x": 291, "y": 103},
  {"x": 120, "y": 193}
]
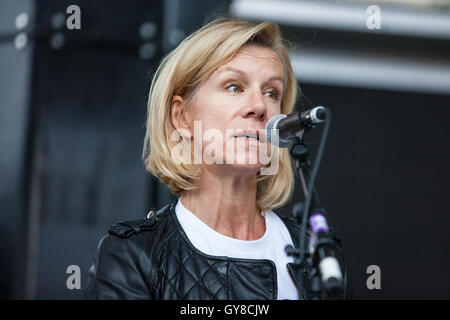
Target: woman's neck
[{"x": 227, "y": 203}]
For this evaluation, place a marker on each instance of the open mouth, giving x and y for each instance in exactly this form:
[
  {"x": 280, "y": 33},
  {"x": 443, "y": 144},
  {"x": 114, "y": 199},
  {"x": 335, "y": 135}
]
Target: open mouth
[
  {"x": 251, "y": 136},
  {"x": 255, "y": 138}
]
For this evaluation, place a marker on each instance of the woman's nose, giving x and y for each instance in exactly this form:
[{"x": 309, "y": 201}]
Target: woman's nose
[{"x": 256, "y": 106}]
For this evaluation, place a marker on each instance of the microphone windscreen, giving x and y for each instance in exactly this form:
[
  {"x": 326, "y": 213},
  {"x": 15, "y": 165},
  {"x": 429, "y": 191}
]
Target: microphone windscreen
[{"x": 271, "y": 125}]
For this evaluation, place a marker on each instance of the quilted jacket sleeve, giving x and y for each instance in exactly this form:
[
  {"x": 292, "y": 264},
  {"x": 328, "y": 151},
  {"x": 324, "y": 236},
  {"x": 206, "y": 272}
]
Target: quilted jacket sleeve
[{"x": 116, "y": 272}]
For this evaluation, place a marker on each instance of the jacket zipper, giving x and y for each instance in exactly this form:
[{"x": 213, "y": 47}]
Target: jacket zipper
[{"x": 294, "y": 281}]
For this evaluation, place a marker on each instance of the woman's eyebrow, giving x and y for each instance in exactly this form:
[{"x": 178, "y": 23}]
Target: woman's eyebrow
[
  {"x": 244, "y": 74},
  {"x": 276, "y": 79},
  {"x": 231, "y": 69}
]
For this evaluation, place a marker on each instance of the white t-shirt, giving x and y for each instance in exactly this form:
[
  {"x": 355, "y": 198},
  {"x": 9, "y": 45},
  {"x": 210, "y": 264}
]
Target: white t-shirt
[{"x": 270, "y": 246}]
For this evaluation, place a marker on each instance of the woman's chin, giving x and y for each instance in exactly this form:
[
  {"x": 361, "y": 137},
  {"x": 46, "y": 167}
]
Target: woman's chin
[{"x": 245, "y": 168}]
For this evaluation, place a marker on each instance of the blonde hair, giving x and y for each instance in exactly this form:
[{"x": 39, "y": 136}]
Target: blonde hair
[{"x": 181, "y": 72}]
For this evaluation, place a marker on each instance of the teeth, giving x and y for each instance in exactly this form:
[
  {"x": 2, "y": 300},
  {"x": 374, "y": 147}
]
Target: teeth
[{"x": 248, "y": 137}]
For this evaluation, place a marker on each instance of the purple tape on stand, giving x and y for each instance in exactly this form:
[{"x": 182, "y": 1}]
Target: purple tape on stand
[{"x": 318, "y": 223}]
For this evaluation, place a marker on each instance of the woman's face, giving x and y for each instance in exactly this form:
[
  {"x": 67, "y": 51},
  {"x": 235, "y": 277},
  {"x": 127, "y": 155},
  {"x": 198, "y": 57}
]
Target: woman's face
[{"x": 236, "y": 101}]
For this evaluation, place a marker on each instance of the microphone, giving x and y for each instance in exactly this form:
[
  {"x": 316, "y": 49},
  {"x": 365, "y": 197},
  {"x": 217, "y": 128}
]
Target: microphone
[
  {"x": 291, "y": 126},
  {"x": 323, "y": 247}
]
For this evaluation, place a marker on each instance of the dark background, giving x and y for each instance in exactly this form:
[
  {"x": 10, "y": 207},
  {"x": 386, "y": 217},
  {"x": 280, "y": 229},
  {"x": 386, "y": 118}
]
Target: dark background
[{"x": 72, "y": 116}]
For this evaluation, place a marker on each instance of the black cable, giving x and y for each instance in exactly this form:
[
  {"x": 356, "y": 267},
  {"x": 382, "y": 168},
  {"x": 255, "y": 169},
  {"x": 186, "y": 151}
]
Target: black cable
[{"x": 308, "y": 200}]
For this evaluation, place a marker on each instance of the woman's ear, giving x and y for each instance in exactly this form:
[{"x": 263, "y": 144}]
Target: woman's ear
[{"x": 179, "y": 115}]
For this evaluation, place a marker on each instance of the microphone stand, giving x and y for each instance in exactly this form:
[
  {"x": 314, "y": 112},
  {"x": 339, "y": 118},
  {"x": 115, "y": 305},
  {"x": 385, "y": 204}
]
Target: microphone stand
[{"x": 313, "y": 285}]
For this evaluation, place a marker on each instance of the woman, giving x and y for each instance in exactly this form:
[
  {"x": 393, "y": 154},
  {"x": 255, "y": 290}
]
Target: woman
[{"x": 220, "y": 239}]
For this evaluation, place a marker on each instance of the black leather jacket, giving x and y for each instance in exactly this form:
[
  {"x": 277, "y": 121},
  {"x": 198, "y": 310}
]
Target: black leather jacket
[{"x": 152, "y": 258}]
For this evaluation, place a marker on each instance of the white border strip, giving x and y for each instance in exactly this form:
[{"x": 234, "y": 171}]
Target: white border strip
[
  {"x": 390, "y": 73},
  {"x": 425, "y": 23}
]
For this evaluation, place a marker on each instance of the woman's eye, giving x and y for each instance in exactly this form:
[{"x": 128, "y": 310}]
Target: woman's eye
[
  {"x": 272, "y": 94},
  {"x": 234, "y": 87}
]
